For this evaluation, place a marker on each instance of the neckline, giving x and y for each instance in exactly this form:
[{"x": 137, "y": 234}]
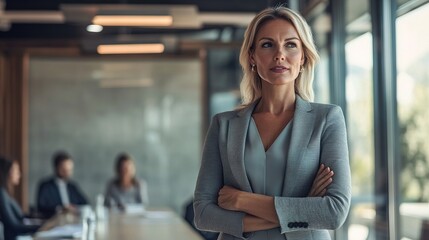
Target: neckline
[{"x": 277, "y": 137}]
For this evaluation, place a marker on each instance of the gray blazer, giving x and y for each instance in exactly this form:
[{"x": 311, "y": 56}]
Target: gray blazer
[{"x": 318, "y": 136}]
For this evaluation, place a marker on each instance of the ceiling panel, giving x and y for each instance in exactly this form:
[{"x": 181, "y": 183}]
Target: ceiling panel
[{"x": 235, "y": 10}]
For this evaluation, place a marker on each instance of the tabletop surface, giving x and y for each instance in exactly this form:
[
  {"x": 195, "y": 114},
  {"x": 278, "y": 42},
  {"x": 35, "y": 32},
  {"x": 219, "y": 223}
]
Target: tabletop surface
[{"x": 153, "y": 224}]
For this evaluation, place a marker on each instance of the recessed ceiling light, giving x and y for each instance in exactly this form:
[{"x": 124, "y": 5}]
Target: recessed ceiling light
[
  {"x": 131, "y": 48},
  {"x": 94, "y": 28},
  {"x": 127, "y": 20}
]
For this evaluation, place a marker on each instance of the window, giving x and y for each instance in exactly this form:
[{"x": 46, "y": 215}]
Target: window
[
  {"x": 360, "y": 122},
  {"x": 413, "y": 96}
]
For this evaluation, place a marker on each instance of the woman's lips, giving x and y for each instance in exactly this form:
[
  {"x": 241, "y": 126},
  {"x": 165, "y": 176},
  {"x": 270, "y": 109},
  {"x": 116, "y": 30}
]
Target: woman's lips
[{"x": 279, "y": 69}]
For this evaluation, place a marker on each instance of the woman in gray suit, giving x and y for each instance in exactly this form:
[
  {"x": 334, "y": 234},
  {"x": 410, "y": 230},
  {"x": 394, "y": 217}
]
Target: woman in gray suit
[{"x": 268, "y": 168}]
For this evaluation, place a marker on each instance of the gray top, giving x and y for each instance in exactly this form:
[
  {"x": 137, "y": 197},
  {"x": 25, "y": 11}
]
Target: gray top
[
  {"x": 117, "y": 196},
  {"x": 266, "y": 169}
]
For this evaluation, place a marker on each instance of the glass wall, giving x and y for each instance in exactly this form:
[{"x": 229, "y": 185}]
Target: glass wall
[
  {"x": 321, "y": 78},
  {"x": 360, "y": 132},
  {"x": 96, "y": 108},
  {"x": 223, "y": 79},
  {"x": 412, "y": 52},
  {"x": 360, "y": 120},
  {"x": 321, "y": 30},
  {"x": 413, "y": 96}
]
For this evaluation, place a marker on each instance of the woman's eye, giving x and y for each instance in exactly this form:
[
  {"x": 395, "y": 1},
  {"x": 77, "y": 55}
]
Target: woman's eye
[
  {"x": 290, "y": 45},
  {"x": 266, "y": 45}
]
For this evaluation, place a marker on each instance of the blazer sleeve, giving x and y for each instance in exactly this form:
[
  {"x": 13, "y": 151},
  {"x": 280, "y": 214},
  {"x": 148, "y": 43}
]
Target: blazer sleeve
[
  {"x": 330, "y": 211},
  {"x": 47, "y": 201},
  {"x": 11, "y": 220},
  {"x": 208, "y": 215},
  {"x": 78, "y": 197}
]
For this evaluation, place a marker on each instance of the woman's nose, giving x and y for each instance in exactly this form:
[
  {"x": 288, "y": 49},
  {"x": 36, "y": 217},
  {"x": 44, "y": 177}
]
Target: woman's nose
[{"x": 279, "y": 56}]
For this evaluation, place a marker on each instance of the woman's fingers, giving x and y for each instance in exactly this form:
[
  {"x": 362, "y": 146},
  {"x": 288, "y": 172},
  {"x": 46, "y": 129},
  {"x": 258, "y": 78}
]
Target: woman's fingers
[
  {"x": 322, "y": 173},
  {"x": 325, "y": 177},
  {"x": 228, "y": 197},
  {"x": 319, "y": 191},
  {"x": 321, "y": 182}
]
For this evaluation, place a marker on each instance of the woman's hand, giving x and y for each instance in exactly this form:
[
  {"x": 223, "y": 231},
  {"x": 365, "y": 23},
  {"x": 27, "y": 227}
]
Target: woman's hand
[
  {"x": 229, "y": 198},
  {"x": 257, "y": 205},
  {"x": 321, "y": 182},
  {"x": 252, "y": 223}
]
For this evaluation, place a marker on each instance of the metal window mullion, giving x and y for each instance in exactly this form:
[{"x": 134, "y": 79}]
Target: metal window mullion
[
  {"x": 338, "y": 55},
  {"x": 383, "y": 15},
  {"x": 337, "y": 66}
]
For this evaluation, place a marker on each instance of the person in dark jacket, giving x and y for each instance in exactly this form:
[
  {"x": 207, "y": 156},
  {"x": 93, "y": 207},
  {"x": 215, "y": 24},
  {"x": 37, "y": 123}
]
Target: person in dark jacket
[
  {"x": 59, "y": 192},
  {"x": 10, "y": 213}
]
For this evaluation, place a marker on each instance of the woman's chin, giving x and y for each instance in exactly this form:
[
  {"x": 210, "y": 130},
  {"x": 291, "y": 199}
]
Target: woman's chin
[{"x": 280, "y": 82}]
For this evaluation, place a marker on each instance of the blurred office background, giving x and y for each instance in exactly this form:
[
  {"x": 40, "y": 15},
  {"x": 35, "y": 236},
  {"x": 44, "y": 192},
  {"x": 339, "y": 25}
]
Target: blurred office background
[{"x": 59, "y": 90}]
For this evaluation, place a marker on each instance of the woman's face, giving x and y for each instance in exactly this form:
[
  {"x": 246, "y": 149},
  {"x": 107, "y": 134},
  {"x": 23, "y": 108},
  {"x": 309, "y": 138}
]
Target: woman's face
[
  {"x": 14, "y": 174},
  {"x": 127, "y": 170},
  {"x": 278, "y": 52}
]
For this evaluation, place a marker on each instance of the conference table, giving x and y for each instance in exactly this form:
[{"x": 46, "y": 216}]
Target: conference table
[{"x": 156, "y": 224}]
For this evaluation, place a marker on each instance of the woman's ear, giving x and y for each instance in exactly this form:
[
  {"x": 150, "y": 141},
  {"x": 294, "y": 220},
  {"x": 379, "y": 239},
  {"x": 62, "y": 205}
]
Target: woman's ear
[
  {"x": 303, "y": 60},
  {"x": 251, "y": 58}
]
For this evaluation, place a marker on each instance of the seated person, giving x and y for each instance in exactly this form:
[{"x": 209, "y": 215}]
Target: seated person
[
  {"x": 10, "y": 212},
  {"x": 59, "y": 192},
  {"x": 125, "y": 188}
]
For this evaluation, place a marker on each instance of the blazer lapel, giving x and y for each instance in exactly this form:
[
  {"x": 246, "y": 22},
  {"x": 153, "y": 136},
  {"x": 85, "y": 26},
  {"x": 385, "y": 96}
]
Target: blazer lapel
[
  {"x": 237, "y": 132},
  {"x": 303, "y": 122}
]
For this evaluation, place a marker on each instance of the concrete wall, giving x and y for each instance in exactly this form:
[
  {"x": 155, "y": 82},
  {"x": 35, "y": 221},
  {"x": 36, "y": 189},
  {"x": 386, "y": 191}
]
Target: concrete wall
[{"x": 96, "y": 108}]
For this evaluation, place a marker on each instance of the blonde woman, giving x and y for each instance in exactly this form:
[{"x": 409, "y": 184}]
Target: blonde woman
[{"x": 277, "y": 168}]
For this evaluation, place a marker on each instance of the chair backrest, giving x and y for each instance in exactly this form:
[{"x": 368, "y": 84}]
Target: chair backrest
[{"x": 425, "y": 230}]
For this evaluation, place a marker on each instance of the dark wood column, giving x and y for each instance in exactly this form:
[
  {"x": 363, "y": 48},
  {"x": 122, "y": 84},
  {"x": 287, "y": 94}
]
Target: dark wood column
[{"x": 14, "y": 115}]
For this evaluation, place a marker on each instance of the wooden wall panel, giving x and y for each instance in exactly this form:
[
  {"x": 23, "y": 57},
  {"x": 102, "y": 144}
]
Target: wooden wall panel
[
  {"x": 14, "y": 115},
  {"x": 2, "y": 101}
]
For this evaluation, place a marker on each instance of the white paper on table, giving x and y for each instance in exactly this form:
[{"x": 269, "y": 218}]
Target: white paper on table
[
  {"x": 133, "y": 209},
  {"x": 66, "y": 231},
  {"x": 158, "y": 214},
  {"x": 32, "y": 221},
  {"x": 25, "y": 237}
]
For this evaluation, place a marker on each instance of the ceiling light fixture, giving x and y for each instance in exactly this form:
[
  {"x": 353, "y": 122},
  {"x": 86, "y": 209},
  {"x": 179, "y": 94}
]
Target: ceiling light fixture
[
  {"x": 131, "y": 48},
  {"x": 94, "y": 28},
  {"x": 127, "y": 20}
]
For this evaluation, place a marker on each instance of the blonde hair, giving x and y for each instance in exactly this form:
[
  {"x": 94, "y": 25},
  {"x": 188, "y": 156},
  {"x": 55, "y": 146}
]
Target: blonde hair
[{"x": 250, "y": 86}]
